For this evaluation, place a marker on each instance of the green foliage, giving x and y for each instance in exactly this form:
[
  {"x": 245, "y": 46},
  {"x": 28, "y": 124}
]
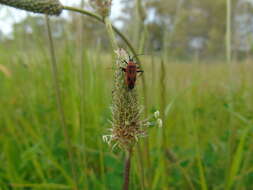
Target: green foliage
[
  {"x": 210, "y": 142},
  {"x": 206, "y": 139}
]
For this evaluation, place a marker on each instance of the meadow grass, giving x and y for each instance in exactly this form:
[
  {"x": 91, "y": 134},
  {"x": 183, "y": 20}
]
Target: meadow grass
[{"x": 205, "y": 142}]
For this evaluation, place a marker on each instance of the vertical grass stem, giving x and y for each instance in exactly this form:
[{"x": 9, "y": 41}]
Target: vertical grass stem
[
  {"x": 59, "y": 101},
  {"x": 127, "y": 169},
  {"x": 228, "y": 32}
]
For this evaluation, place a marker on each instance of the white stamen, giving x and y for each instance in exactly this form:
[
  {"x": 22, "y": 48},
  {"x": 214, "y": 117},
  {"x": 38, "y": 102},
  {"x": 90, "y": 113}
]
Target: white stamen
[
  {"x": 159, "y": 123},
  {"x": 156, "y": 114}
]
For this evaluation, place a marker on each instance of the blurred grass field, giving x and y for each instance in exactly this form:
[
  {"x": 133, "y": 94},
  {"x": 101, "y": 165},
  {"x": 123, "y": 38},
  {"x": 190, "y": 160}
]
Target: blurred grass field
[{"x": 205, "y": 143}]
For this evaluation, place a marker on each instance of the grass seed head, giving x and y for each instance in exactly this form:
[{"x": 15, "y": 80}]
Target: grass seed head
[
  {"x": 102, "y": 7},
  {"x": 49, "y": 7}
]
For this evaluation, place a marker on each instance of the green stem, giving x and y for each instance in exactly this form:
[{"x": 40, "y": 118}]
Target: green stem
[
  {"x": 56, "y": 82},
  {"x": 109, "y": 29},
  {"x": 228, "y": 32},
  {"x": 127, "y": 170},
  {"x": 100, "y": 19}
]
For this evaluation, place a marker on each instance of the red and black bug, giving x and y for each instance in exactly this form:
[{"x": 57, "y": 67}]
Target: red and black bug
[{"x": 131, "y": 71}]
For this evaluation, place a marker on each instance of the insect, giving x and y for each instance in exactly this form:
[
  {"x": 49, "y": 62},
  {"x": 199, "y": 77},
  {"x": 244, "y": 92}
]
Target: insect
[{"x": 131, "y": 71}]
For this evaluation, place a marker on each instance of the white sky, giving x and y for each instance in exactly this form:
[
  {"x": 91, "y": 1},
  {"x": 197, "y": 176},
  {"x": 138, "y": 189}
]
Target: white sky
[{"x": 9, "y": 16}]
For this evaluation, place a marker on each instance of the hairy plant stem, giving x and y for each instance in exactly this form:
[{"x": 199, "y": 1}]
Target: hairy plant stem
[
  {"x": 127, "y": 169},
  {"x": 59, "y": 102}
]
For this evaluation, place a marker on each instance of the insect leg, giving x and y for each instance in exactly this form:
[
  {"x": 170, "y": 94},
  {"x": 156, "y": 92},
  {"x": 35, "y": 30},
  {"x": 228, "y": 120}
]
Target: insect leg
[
  {"x": 124, "y": 61},
  {"x": 140, "y": 71},
  {"x": 123, "y": 69}
]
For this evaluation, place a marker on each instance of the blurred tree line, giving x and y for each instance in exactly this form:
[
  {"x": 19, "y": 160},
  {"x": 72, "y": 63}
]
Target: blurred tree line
[
  {"x": 181, "y": 29},
  {"x": 185, "y": 28}
]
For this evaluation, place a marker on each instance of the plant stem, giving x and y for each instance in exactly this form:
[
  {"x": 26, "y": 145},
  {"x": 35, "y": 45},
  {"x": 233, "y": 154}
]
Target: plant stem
[
  {"x": 100, "y": 19},
  {"x": 59, "y": 102},
  {"x": 228, "y": 32},
  {"x": 142, "y": 178},
  {"x": 142, "y": 37},
  {"x": 127, "y": 169},
  {"x": 109, "y": 29}
]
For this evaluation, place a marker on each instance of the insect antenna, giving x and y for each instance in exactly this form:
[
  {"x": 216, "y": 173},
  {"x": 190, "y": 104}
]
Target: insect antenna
[{"x": 137, "y": 55}]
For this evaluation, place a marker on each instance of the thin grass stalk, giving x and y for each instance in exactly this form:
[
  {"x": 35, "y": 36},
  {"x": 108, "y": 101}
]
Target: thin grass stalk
[
  {"x": 80, "y": 45},
  {"x": 127, "y": 169},
  {"x": 173, "y": 159},
  {"x": 153, "y": 73},
  {"x": 143, "y": 34},
  {"x": 199, "y": 162},
  {"x": 164, "y": 57},
  {"x": 232, "y": 131},
  {"x": 169, "y": 37},
  {"x": 142, "y": 30},
  {"x": 81, "y": 48},
  {"x": 163, "y": 98},
  {"x": 228, "y": 32},
  {"x": 60, "y": 103},
  {"x": 163, "y": 144},
  {"x": 142, "y": 27},
  {"x": 234, "y": 179},
  {"x": 141, "y": 165},
  {"x": 110, "y": 33}
]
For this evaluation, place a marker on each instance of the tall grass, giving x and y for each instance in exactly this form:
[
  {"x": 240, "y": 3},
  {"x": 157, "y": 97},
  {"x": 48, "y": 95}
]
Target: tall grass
[
  {"x": 206, "y": 142},
  {"x": 32, "y": 143},
  {"x": 228, "y": 31},
  {"x": 57, "y": 87}
]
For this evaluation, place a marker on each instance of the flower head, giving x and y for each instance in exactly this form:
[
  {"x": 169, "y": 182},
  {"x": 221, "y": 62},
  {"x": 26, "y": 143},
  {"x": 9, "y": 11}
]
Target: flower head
[
  {"x": 156, "y": 114},
  {"x": 49, "y": 7},
  {"x": 103, "y": 7},
  {"x": 126, "y": 111}
]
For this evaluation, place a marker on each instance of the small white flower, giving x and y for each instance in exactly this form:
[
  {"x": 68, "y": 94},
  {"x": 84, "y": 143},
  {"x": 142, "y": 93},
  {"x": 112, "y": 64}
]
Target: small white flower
[
  {"x": 148, "y": 124},
  {"x": 107, "y": 138},
  {"x": 159, "y": 123},
  {"x": 156, "y": 114},
  {"x": 115, "y": 145}
]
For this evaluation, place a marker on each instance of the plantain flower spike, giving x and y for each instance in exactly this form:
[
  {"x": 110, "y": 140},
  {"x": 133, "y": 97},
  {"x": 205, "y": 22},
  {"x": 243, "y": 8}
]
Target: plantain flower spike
[
  {"x": 49, "y": 7},
  {"x": 102, "y": 7},
  {"x": 126, "y": 111}
]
